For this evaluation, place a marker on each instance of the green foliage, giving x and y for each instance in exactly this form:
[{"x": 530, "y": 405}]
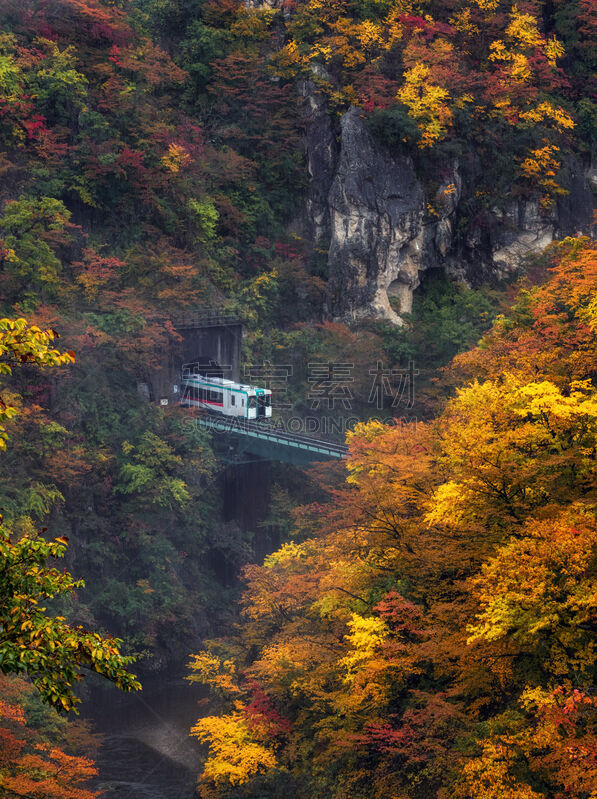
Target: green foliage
[
  {"x": 201, "y": 47},
  {"x": 60, "y": 90},
  {"x": 149, "y": 473},
  {"x": 587, "y": 123},
  {"x": 10, "y": 77},
  {"x": 446, "y": 319},
  {"x": 205, "y": 216},
  {"x": 30, "y": 231},
  {"x": 394, "y": 128},
  {"x": 50, "y": 651},
  {"x": 46, "y": 648}
]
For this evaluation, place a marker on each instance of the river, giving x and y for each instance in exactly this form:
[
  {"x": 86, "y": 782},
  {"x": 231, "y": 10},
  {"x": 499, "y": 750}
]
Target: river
[{"x": 146, "y": 751}]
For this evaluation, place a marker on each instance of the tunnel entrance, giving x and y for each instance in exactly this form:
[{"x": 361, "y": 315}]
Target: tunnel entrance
[
  {"x": 210, "y": 338},
  {"x": 203, "y": 365}
]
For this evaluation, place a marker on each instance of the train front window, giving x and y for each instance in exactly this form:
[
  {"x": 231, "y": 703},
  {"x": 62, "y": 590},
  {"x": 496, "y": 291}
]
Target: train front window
[{"x": 252, "y": 402}]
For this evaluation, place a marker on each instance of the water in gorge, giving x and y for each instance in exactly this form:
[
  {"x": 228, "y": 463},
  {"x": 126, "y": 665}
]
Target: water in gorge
[{"x": 146, "y": 751}]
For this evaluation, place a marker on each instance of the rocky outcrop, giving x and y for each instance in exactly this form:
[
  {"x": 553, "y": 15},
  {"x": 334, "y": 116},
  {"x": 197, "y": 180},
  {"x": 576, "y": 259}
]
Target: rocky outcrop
[
  {"x": 384, "y": 232},
  {"x": 377, "y": 235},
  {"x": 518, "y": 232},
  {"x": 322, "y": 152}
]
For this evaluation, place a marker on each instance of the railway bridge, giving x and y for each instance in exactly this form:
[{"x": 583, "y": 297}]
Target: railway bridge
[{"x": 265, "y": 440}]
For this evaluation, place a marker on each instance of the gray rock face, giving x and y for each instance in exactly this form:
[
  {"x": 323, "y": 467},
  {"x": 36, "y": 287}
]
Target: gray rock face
[
  {"x": 377, "y": 236},
  {"x": 575, "y": 209},
  {"x": 322, "y": 152},
  {"x": 382, "y": 238},
  {"x": 521, "y": 231}
]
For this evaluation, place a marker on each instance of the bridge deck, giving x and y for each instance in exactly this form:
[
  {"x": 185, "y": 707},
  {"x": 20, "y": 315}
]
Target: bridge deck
[{"x": 264, "y": 432}]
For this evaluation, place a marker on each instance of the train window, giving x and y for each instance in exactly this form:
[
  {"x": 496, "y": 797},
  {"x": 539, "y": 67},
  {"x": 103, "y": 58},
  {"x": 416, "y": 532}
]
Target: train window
[
  {"x": 268, "y": 400},
  {"x": 243, "y": 402},
  {"x": 232, "y": 399},
  {"x": 252, "y": 402}
]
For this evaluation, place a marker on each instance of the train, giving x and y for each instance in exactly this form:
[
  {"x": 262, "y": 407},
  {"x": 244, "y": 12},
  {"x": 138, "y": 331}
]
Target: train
[{"x": 224, "y": 396}]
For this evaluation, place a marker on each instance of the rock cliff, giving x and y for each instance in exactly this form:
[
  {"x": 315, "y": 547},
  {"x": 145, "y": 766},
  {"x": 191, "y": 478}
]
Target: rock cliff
[{"x": 384, "y": 231}]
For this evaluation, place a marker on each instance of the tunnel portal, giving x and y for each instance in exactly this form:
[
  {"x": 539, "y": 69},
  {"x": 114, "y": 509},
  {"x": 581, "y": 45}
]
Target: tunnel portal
[{"x": 211, "y": 339}]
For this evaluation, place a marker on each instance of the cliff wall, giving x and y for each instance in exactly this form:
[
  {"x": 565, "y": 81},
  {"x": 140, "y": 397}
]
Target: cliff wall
[{"x": 384, "y": 228}]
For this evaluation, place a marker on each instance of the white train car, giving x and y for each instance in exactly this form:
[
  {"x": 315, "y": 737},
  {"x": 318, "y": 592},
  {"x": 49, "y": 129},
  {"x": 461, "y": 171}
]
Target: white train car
[{"x": 225, "y": 396}]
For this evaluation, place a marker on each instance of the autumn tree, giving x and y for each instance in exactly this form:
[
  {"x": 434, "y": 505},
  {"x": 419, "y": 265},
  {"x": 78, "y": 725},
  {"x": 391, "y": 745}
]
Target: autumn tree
[
  {"x": 434, "y": 632},
  {"x": 46, "y": 648}
]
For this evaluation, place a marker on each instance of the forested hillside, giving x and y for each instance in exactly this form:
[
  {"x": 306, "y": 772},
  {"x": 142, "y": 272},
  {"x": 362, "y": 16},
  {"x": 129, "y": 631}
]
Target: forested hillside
[
  {"x": 430, "y": 631},
  {"x": 359, "y": 182}
]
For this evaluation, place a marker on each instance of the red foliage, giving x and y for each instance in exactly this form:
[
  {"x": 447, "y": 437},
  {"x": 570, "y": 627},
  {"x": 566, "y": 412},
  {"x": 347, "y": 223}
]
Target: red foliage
[
  {"x": 401, "y": 615},
  {"x": 261, "y": 715}
]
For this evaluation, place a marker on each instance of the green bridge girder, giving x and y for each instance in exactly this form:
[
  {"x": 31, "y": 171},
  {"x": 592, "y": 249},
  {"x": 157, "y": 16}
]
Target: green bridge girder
[{"x": 265, "y": 442}]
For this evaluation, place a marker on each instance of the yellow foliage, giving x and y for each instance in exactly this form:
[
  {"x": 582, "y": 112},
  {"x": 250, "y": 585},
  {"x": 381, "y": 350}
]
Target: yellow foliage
[
  {"x": 211, "y": 670},
  {"x": 546, "y": 402},
  {"x": 286, "y": 555},
  {"x": 541, "y": 163},
  {"x": 523, "y": 29},
  {"x": 490, "y": 776},
  {"x": 461, "y": 20},
  {"x": 253, "y": 23},
  {"x": 235, "y": 757},
  {"x": 365, "y": 637},
  {"x": 522, "y": 39},
  {"x": 541, "y": 583},
  {"x": 502, "y": 442},
  {"x": 176, "y": 159},
  {"x": 487, "y": 5},
  {"x": 427, "y": 104},
  {"x": 547, "y": 112},
  {"x": 449, "y": 504},
  {"x": 541, "y": 167},
  {"x": 554, "y": 49},
  {"x": 519, "y": 64}
]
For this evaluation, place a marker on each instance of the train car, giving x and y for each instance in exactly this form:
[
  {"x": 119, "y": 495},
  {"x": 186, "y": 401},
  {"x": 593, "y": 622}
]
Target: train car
[{"x": 225, "y": 396}]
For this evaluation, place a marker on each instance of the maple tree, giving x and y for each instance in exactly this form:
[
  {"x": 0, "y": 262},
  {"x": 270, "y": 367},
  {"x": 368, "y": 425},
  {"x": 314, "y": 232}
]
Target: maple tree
[{"x": 31, "y": 762}]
